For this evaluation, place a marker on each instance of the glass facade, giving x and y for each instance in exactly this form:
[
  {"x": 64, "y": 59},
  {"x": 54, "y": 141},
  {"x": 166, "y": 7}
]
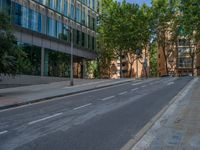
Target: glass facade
[
  {"x": 26, "y": 17},
  {"x": 53, "y": 18},
  {"x": 35, "y": 21}
]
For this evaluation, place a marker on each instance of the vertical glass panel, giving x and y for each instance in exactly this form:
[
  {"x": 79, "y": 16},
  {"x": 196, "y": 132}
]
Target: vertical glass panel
[
  {"x": 66, "y": 33},
  {"x": 25, "y": 16},
  {"x": 78, "y": 15},
  {"x": 72, "y": 11},
  {"x": 39, "y": 22},
  {"x": 51, "y": 4},
  {"x": 83, "y": 17},
  {"x": 66, "y": 8},
  {"x": 17, "y": 14},
  {"x": 59, "y": 29},
  {"x": 51, "y": 26},
  {"x": 33, "y": 20},
  {"x": 60, "y": 6}
]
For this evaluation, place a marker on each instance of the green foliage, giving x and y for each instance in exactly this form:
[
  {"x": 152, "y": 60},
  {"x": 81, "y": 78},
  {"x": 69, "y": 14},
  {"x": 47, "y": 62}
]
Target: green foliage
[
  {"x": 10, "y": 54},
  {"x": 123, "y": 29},
  {"x": 153, "y": 60}
]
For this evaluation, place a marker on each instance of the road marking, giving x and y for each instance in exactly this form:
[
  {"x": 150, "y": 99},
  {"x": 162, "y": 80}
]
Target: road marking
[
  {"x": 122, "y": 93},
  {"x": 137, "y": 83},
  {"x": 82, "y": 106},
  {"x": 170, "y": 83},
  {"x": 43, "y": 119},
  {"x": 3, "y": 132},
  {"x": 134, "y": 89},
  {"x": 143, "y": 86},
  {"x": 107, "y": 98}
]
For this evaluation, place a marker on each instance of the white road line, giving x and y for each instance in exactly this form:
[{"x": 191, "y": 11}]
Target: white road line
[
  {"x": 122, "y": 93},
  {"x": 143, "y": 86},
  {"x": 3, "y": 132},
  {"x": 107, "y": 98},
  {"x": 170, "y": 83},
  {"x": 43, "y": 119},
  {"x": 134, "y": 89},
  {"x": 137, "y": 83},
  {"x": 82, "y": 106}
]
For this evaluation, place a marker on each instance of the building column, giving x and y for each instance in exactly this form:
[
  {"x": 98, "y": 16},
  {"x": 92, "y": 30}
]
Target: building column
[
  {"x": 42, "y": 61},
  {"x": 46, "y": 62},
  {"x": 84, "y": 69}
]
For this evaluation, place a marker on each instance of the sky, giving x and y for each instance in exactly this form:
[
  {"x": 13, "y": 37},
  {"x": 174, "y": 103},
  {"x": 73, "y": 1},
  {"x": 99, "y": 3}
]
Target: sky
[{"x": 148, "y": 2}]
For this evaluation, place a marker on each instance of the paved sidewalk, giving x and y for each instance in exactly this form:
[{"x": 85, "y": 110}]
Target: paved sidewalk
[
  {"x": 179, "y": 127},
  {"x": 11, "y": 97}
]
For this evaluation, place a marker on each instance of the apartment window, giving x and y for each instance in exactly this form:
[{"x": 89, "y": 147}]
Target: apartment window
[{"x": 185, "y": 62}]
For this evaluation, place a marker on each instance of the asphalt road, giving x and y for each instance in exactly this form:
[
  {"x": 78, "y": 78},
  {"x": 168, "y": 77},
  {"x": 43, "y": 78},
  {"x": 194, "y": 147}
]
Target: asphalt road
[{"x": 103, "y": 119}]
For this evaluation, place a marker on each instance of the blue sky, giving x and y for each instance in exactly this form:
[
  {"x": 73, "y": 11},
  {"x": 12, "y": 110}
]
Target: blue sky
[{"x": 148, "y": 2}]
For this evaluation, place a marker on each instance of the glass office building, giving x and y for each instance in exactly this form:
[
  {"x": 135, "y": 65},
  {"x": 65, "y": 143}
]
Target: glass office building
[{"x": 44, "y": 29}]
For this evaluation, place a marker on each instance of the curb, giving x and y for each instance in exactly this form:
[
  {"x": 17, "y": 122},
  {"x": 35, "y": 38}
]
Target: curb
[
  {"x": 129, "y": 145},
  {"x": 62, "y": 95}
]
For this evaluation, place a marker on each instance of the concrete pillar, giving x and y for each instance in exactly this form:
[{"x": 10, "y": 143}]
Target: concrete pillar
[
  {"x": 46, "y": 62},
  {"x": 84, "y": 69},
  {"x": 42, "y": 61}
]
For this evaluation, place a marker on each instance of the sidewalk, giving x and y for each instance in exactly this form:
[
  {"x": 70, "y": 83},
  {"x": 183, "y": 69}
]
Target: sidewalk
[
  {"x": 179, "y": 126},
  {"x": 11, "y": 97}
]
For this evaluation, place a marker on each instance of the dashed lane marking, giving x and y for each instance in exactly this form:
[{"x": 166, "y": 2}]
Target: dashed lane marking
[
  {"x": 3, "y": 132},
  {"x": 43, "y": 119},
  {"x": 134, "y": 89},
  {"x": 107, "y": 98},
  {"x": 122, "y": 93},
  {"x": 82, "y": 106}
]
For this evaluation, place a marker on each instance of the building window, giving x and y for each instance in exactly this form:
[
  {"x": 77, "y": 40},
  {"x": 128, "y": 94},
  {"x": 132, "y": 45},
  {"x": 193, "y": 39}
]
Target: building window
[
  {"x": 66, "y": 8},
  {"x": 72, "y": 11},
  {"x": 83, "y": 39},
  {"x": 59, "y": 29},
  {"x": 78, "y": 15},
  {"x": 17, "y": 14},
  {"x": 52, "y": 4},
  {"x": 83, "y": 17},
  {"x": 25, "y": 17},
  {"x": 51, "y": 26}
]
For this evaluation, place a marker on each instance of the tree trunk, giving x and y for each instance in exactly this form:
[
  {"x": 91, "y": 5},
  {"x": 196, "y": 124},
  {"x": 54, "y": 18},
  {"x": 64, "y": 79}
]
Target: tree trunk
[
  {"x": 131, "y": 71},
  {"x": 120, "y": 57},
  {"x": 192, "y": 64}
]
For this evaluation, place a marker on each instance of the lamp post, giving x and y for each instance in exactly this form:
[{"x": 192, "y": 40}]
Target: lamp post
[{"x": 71, "y": 64}]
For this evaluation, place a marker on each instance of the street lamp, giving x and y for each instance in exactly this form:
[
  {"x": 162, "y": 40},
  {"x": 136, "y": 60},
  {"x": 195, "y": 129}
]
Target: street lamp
[
  {"x": 71, "y": 55},
  {"x": 71, "y": 64}
]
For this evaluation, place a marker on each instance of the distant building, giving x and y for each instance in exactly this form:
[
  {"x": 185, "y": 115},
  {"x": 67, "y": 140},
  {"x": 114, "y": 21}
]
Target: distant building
[
  {"x": 143, "y": 67},
  {"x": 179, "y": 59},
  {"x": 43, "y": 28}
]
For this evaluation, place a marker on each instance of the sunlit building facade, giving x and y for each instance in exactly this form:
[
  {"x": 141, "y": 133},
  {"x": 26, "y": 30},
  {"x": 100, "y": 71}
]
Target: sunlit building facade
[{"x": 44, "y": 29}]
